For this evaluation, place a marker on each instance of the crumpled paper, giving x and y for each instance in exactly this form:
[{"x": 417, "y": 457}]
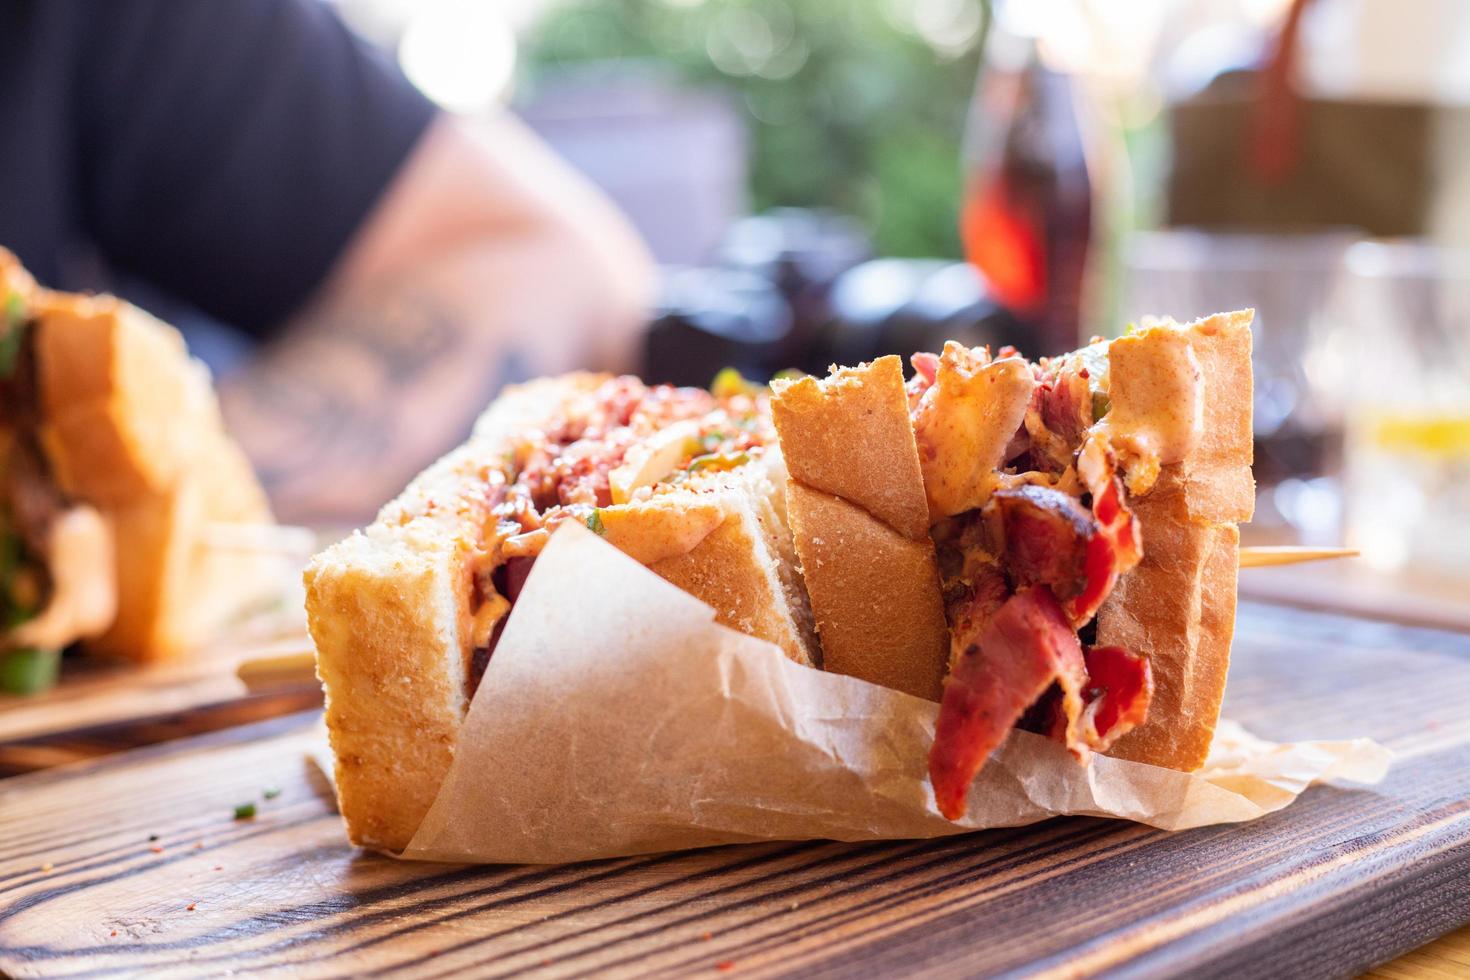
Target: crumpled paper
[{"x": 616, "y": 717}]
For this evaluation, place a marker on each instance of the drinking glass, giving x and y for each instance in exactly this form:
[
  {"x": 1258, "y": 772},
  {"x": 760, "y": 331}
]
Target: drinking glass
[
  {"x": 1290, "y": 281},
  {"x": 1406, "y": 309}
]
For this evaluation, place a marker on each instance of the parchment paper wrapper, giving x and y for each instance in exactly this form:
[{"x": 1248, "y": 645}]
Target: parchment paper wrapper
[{"x": 616, "y": 717}]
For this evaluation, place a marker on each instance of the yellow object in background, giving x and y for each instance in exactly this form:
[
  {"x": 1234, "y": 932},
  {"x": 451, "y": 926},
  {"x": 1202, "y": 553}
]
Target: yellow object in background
[{"x": 1439, "y": 435}]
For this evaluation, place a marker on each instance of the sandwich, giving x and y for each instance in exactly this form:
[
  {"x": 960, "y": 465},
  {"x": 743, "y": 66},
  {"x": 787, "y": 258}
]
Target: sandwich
[
  {"x": 1050, "y": 546},
  {"x": 406, "y": 614},
  {"x": 114, "y": 468}
]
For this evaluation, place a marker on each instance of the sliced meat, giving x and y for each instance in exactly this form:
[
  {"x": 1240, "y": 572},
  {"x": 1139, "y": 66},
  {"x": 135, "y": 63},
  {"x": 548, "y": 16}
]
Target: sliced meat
[
  {"x": 1120, "y": 685},
  {"x": 1117, "y": 547},
  {"x": 1046, "y": 538},
  {"x": 1065, "y": 405},
  {"x": 517, "y": 570},
  {"x": 1051, "y": 539},
  {"x": 972, "y": 598},
  {"x": 1000, "y": 671},
  {"x": 926, "y": 370}
]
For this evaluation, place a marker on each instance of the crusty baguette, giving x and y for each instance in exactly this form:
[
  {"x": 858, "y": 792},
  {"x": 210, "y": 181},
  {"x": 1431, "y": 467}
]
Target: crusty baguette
[
  {"x": 875, "y": 594},
  {"x": 129, "y": 424},
  {"x": 389, "y": 613},
  {"x": 389, "y": 608},
  {"x": 849, "y": 435},
  {"x": 860, "y": 521},
  {"x": 1178, "y": 606}
]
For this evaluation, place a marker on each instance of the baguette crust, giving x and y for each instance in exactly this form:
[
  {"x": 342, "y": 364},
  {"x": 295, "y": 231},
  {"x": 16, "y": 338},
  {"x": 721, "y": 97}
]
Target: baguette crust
[
  {"x": 860, "y": 520},
  {"x": 1178, "y": 606},
  {"x": 850, "y": 436},
  {"x": 732, "y": 570},
  {"x": 389, "y": 612},
  {"x": 389, "y": 608},
  {"x": 875, "y": 594}
]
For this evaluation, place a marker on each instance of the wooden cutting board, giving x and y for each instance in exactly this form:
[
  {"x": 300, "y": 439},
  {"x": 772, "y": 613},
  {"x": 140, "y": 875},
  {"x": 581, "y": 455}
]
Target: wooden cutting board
[
  {"x": 102, "y": 706},
  {"x": 1341, "y": 880}
]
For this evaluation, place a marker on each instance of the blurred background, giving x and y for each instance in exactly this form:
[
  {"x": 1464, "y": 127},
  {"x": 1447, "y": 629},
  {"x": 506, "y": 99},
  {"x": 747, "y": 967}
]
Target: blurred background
[{"x": 826, "y": 182}]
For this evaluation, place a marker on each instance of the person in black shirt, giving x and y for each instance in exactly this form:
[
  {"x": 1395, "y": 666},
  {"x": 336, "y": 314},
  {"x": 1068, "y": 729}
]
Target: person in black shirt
[{"x": 256, "y": 160}]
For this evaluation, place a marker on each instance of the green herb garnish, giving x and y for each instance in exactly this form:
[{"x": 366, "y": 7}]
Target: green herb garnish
[
  {"x": 594, "y": 523},
  {"x": 271, "y": 792},
  {"x": 1094, "y": 360},
  {"x": 788, "y": 374},
  {"x": 718, "y": 461},
  {"x": 245, "y": 811},
  {"x": 12, "y": 334},
  {"x": 29, "y": 671}
]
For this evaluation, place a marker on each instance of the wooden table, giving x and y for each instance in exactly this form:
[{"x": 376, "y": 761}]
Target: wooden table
[
  {"x": 1342, "y": 880},
  {"x": 101, "y": 706}
]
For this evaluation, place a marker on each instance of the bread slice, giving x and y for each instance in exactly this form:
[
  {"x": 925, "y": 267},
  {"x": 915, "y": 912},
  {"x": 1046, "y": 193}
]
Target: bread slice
[
  {"x": 875, "y": 594},
  {"x": 1177, "y": 606},
  {"x": 855, "y": 497},
  {"x": 860, "y": 521},
  {"x": 391, "y": 609},
  {"x": 129, "y": 424}
]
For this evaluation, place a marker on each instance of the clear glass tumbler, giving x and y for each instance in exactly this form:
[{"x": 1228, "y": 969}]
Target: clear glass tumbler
[{"x": 1405, "y": 308}]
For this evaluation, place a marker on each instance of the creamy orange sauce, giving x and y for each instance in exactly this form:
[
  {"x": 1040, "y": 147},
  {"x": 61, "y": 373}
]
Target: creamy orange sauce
[
  {"x": 963, "y": 423},
  {"x": 1156, "y": 413},
  {"x": 83, "y": 583}
]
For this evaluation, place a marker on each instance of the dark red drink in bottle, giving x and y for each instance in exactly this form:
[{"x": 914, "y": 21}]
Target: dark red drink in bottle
[{"x": 1026, "y": 223}]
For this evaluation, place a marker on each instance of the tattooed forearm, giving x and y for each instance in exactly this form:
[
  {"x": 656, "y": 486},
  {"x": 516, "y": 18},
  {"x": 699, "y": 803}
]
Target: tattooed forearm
[{"x": 345, "y": 408}]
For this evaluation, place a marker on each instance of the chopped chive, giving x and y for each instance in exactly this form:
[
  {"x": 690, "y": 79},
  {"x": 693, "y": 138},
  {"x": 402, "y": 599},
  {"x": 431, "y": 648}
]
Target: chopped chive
[
  {"x": 271, "y": 792},
  {"x": 594, "y": 523},
  {"x": 245, "y": 811}
]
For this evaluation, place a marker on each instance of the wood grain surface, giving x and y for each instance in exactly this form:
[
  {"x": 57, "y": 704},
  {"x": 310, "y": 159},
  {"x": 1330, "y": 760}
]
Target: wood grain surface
[
  {"x": 103, "y": 706},
  {"x": 1341, "y": 881}
]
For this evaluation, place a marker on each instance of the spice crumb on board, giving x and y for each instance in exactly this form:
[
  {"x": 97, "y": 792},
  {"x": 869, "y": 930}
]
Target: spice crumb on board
[
  {"x": 725, "y": 966},
  {"x": 156, "y": 849},
  {"x": 114, "y": 933},
  {"x": 706, "y": 936},
  {"x": 219, "y": 867},
  {"x": 152, "y": 838},
  {"x": 190, "y": 907},
  {"x": 46, "y": 868}
]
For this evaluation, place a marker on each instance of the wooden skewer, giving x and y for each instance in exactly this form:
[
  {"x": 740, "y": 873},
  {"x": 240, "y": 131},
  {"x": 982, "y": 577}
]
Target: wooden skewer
[
  {"x": 1289, "y": 555},
  {"x": 279, "y": 670}
]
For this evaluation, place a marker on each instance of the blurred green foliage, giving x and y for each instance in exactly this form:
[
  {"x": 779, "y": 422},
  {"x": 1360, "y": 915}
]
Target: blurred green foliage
[{"x": 855, "y": 105}]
